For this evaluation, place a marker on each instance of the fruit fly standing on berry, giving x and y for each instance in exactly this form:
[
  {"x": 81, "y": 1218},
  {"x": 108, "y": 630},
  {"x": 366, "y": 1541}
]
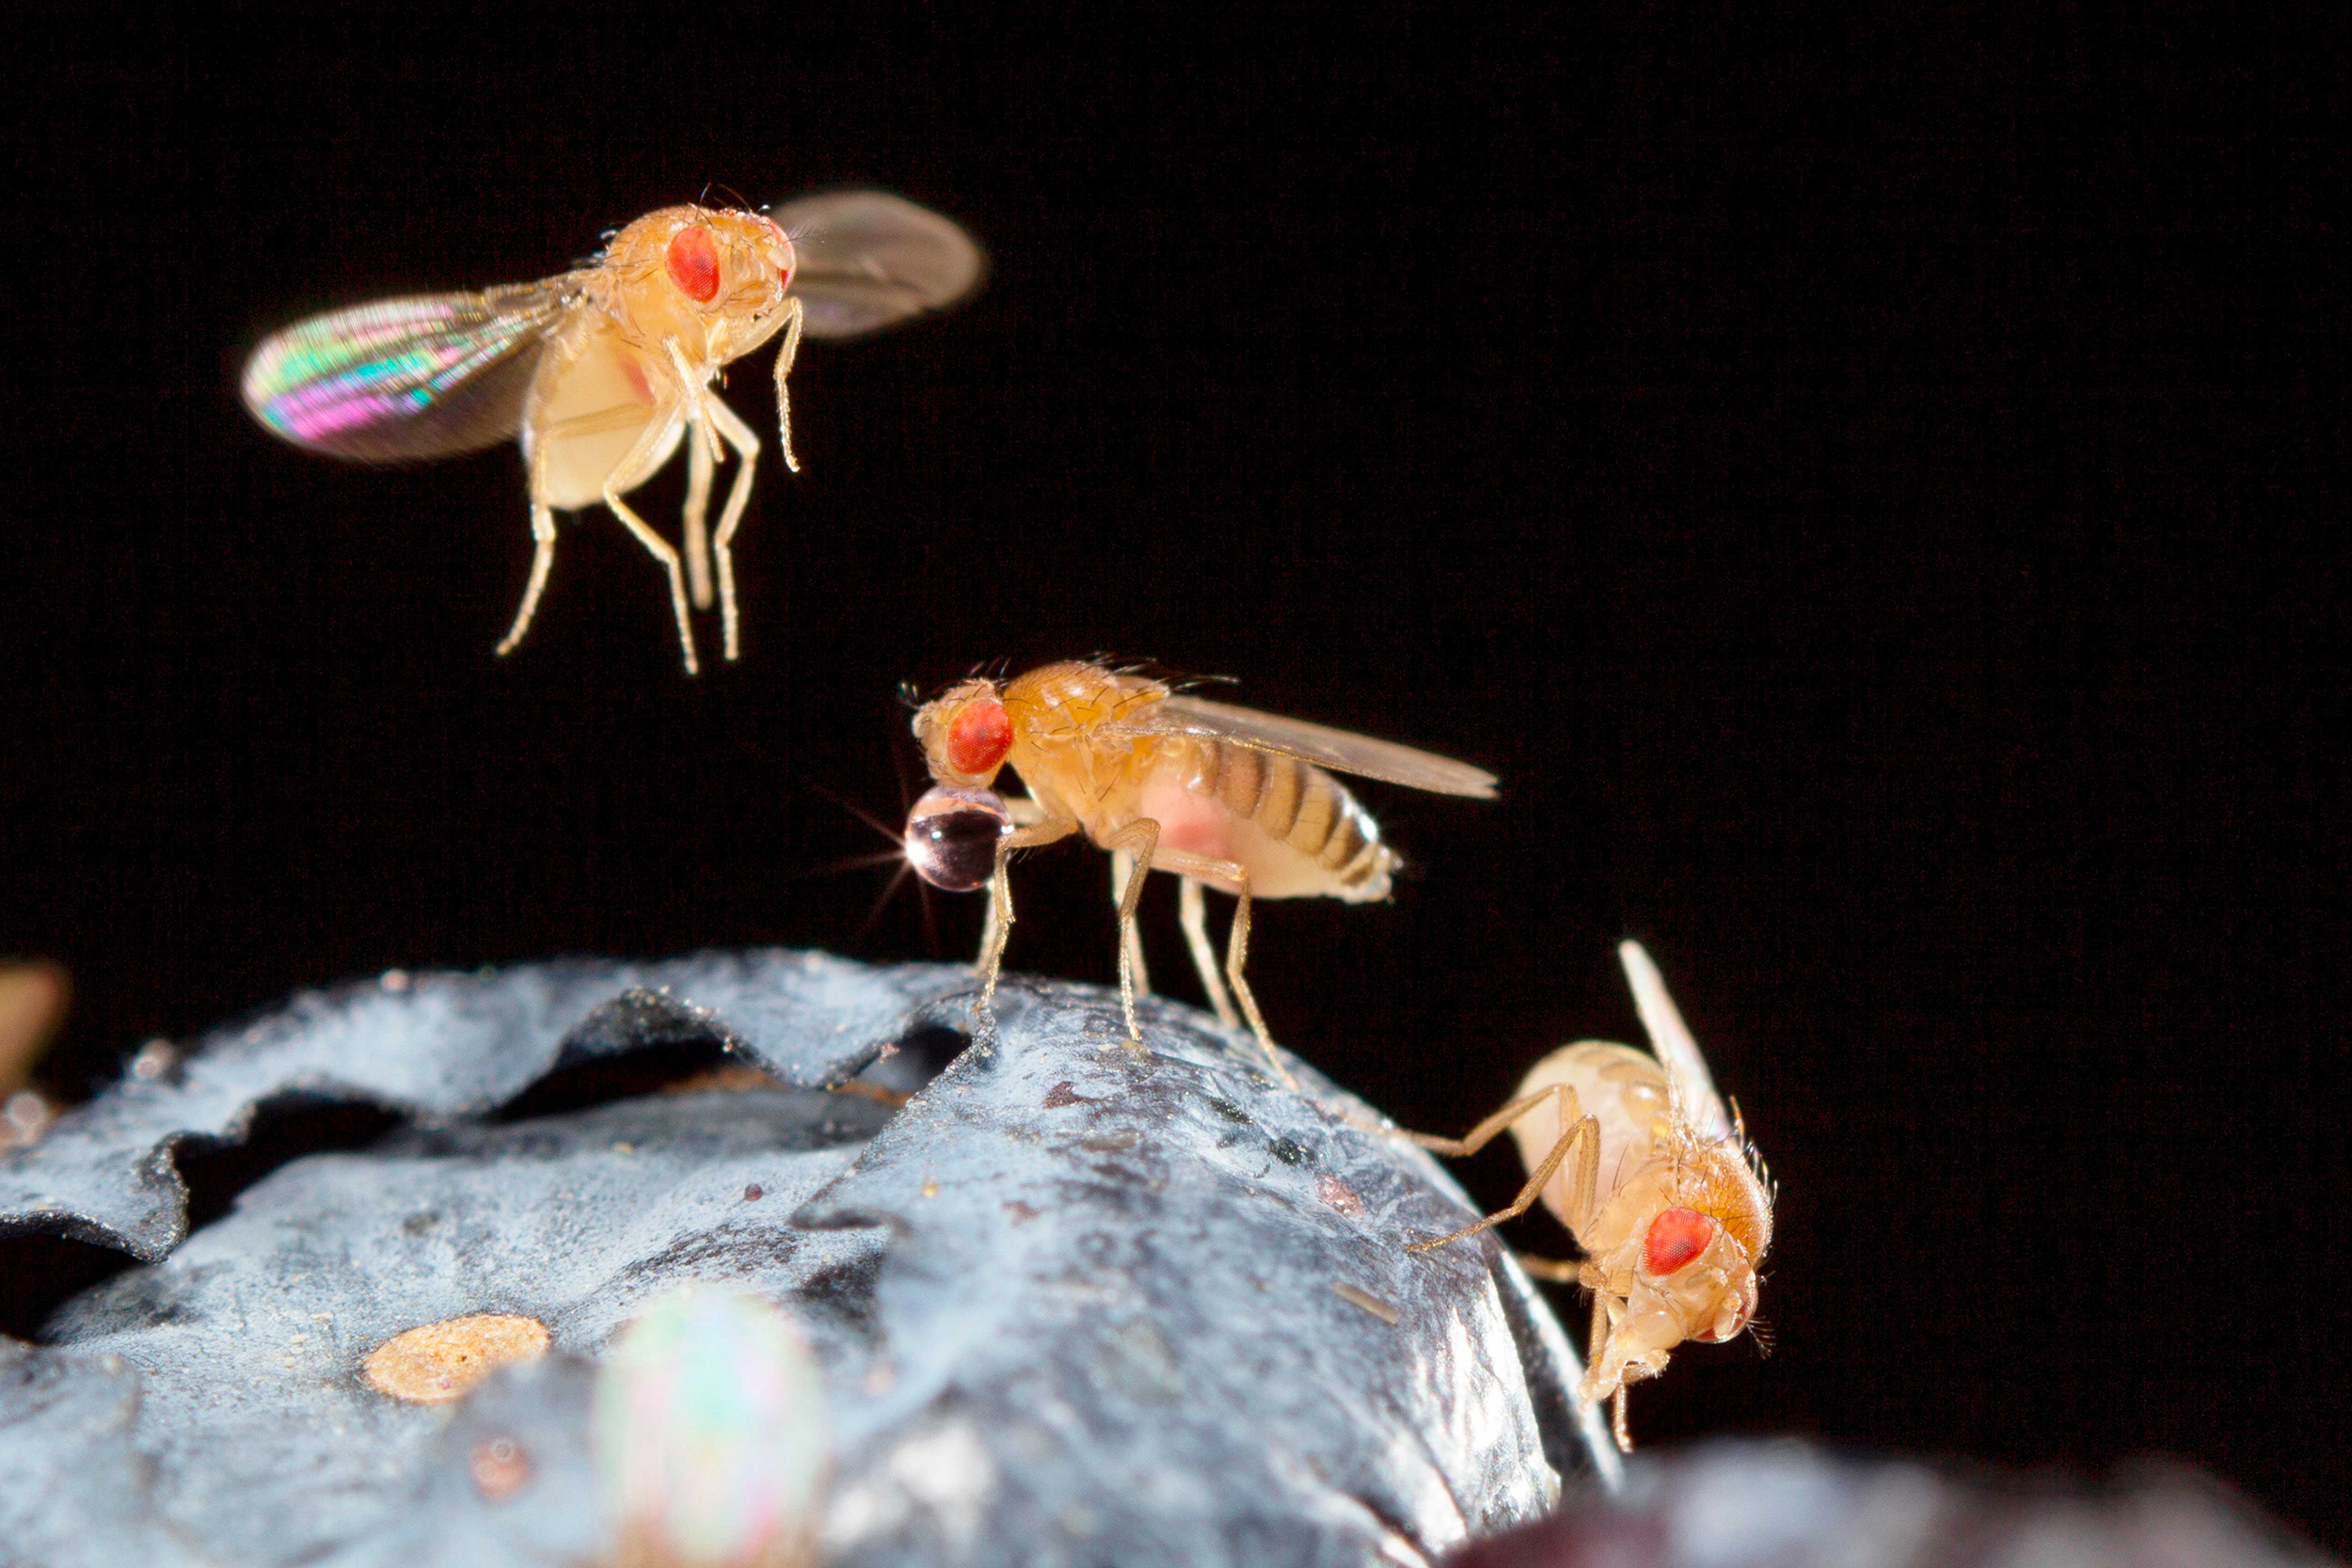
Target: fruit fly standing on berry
[
  {"x": 1224, "y": 797},
  {"x": 603, "y": 370},
  {"x": 1638, "y": 1157}
]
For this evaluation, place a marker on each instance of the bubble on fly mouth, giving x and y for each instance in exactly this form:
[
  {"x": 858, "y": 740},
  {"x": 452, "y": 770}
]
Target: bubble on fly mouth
[{"x": 952, "y": 835}]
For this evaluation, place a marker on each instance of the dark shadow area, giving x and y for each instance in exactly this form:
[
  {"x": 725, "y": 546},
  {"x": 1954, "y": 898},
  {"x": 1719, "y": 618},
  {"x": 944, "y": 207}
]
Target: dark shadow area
[
  {"x": 39, "y": 1273},
  {"x": 285, "y": 1128},
  {"x": 922, "y": 1055},
  {"x": 602, "y": 1080}
]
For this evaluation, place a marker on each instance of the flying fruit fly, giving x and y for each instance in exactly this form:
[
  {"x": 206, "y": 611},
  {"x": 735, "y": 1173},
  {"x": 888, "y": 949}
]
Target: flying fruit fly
[
  {"x": 1224, "y": 797},
  {"x": 1638, "y": 1157},
  {"x": 603, "y": 370}
]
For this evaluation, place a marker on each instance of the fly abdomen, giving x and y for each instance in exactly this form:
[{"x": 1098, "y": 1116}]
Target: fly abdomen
[{"x": 1308, "y": 811}]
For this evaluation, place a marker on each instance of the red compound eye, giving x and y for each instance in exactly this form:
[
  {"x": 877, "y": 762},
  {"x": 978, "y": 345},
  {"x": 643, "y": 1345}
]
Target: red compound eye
[
  {"x": 979, "y": 737},
  {"x": 1674, "y": 1239},
  {"x": 693, "y": 262}
]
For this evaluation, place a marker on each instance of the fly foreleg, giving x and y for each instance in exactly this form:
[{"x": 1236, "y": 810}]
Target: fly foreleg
[{"x": 1000, "y": 897}]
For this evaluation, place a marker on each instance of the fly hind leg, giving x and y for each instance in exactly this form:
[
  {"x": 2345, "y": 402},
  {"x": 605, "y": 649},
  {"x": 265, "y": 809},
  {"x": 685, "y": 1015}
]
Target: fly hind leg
[
  {"x": 542, "y": 558},
  {"x": 1193, "y": 914},
  {"x": 1580, "y": 1137},
  {"x": 1232, "y": 873},
  {"x": 543, "y": 510},
  {"x": 628, "y": 473}
]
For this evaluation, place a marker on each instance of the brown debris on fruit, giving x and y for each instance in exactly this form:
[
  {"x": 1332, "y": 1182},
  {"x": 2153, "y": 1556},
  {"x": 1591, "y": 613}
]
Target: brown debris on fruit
[{"x": 439, "y": 1362}]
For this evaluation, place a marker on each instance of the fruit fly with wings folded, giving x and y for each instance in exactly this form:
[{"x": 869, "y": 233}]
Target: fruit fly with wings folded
[
  {"x": 603, "y": 370},
  {"x": 1221, "y": 795},
  {"x": 1638, "y": 1157}
]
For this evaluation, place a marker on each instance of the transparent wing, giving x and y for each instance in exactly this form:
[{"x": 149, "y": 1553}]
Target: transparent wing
[
  {"x": 428, "y": 376},
  {"x": 868, "y": 259},
  {"x": 1343, "y": 750},
  {"x": 1670, "y": 1037}
]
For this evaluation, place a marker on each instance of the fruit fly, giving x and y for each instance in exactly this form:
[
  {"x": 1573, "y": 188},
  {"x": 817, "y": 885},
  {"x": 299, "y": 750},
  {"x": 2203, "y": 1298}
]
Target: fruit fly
[
  {"x": 603, "y": 370},
  {"x": 1656, "y": 1182},
  {"x": 1223, "y": 797}
]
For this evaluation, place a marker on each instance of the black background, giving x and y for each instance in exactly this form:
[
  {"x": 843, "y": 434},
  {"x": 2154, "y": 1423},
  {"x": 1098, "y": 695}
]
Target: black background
[{"x": 1870, "y": 489}]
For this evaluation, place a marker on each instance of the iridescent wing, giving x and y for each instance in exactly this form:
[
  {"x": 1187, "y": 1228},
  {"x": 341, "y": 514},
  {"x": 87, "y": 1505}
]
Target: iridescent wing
[
  {"x": 1342, "y": 751},
  {"x": 428, "y": 376},
  {"x": 1670, "y": 1037},
  {"x": 866, "y": 259}
]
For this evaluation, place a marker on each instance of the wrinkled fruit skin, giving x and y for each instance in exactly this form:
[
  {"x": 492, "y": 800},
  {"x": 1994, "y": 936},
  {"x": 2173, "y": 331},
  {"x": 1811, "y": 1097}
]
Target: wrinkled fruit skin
[{"x": 1071, "y": 1303}]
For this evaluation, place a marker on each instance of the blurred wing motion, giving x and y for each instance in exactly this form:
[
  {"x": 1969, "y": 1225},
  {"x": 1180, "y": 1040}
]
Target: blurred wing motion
[
  {"x": 1670, "y": 1037},
  {"x": 428, "y": 376},
  {"x": 1343, "y": 750},
  {"x": 866, "y": 259}
]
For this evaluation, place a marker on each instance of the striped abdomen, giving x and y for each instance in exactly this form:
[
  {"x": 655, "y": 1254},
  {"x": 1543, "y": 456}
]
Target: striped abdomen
[{"x": 1293, "y": 827}]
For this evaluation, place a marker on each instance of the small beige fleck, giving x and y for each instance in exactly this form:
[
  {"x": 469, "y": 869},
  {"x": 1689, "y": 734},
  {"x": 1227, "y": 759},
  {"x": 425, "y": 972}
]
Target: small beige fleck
[
  {"x": 1339, "y": 1195},
  {"x": 931, "y": 1188},
  {"x": 1366, "y": 1300},
  {"x": 443, "y": 1361}
]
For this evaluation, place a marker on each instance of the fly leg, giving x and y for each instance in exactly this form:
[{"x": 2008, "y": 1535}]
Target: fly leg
[
  {"x": 703, "y": 440},
  {"x": 542, "y": 558},
  {"x": 746, "y": 444},
  {"x": 1604, "y": 1326},
  {"x": 785, "y": 355},
  {"x": 542, "y": 512},
  {"x": 1000, "y": 898},
  {"x": 1185, "y": 863},
  {"x": 696, "y": 536},
  {"x": 1130, "y": 936},
  {"x": 1192, "y": 912},
  {"x": 631, "y": 471},
  {"x": 1138, "y": 840},
  {"x": 1025, "y": 813},
  {"x": 1582, "y": 1138}
]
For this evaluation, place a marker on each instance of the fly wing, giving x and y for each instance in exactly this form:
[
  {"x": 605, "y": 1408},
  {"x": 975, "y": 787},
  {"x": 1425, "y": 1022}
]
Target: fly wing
[
  {"x": 427, "y": 375},
  {"x": 1343, "y": 750},
  {"x": 864, "y": 260},
  {"x": 1670, "y": 1037}
]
